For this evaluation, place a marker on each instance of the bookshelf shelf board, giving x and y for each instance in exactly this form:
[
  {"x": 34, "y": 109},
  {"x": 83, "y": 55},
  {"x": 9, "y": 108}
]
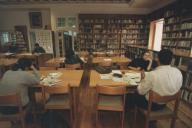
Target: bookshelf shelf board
[{"x": 177, "y": 38}]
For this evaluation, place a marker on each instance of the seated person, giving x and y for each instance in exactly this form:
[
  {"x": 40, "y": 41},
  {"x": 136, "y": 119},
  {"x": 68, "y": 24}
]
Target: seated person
[
  {"x": 18, "y": 80},
  {"x": 38, "y": 49},
  {"x": 71, "y": 58},
  {"x": 146, "y": 63},
  {"x": 164, "y": 80}
]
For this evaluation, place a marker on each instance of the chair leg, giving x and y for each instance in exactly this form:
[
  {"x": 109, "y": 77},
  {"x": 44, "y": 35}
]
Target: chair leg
[
  {"x": 71, "y": 118},
  {"x": 146, "y": 123},
  {"x": 173, "y": 121},
  {"x": 23, "y": 122},
  {"x": 135, "y": 118},
  {"x": 97, "y": 118},
  {"x": 122, "y": 119}
]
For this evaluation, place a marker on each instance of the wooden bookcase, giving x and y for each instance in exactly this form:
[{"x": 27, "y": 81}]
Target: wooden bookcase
[
  {"x": 177, "y": 34},
  {"x": 111, "y": 32}
]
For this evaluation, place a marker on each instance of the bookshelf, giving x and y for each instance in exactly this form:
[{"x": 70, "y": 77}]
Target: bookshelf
[
  {"x": 177, "y": 34},
  {"x": 20, "y": 42},
  {"x": 111, "y": 32}
]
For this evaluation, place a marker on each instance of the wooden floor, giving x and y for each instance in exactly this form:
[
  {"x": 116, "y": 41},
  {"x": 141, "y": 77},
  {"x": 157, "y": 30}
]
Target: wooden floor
[{"x": 85, "y": 116}]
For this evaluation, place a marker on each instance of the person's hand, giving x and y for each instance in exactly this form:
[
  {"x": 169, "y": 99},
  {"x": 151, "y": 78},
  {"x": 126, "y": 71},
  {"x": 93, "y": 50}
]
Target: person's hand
[
  {"x": 32, "y": 67},
  {"x": 142, "y": 74},
  {"x": 149, "y": 59},
  {"x": 138, "y": 68}
]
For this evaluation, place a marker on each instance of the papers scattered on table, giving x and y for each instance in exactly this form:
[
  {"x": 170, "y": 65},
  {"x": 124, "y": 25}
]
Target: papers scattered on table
[
  {"x": 116, "y": 79},
  {"x": 51, "y": 79},
  {"x": 129, "y": 78},
  {"x": 105, "y": 76},
  {"x": 106, "y": 59},
  {"x": 116, "y": 71},
  {"x": 55, "y": 74},
  {"x": 8, "y": 54},
  {"x": 133, "y": 76},
  {"x": 62, "y": 59}
]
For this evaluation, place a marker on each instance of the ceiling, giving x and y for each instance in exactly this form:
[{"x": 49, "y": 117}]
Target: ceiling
[
  {"x": 60, "y": 1},
  {"x": 132, "y": 3}
]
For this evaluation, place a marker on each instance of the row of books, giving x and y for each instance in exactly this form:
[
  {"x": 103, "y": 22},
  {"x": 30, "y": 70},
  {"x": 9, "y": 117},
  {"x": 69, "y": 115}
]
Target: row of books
[
  {"x": 172, "y": 28},
  {"x": 172, "y": 20},
  {"x": 124, "y": 21},
  {"x": 186, "y": 26},
  {"x": 169, "y": 13},
  {"x": 187, "y": 96},
  {"x": 186, "y": 34},
  {"x": 187, "y": 91},
  {"x": 184, "y": 44}
]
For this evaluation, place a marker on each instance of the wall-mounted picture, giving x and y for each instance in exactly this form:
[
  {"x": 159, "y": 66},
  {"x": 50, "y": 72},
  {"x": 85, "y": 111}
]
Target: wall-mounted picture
[
  {"x": 71, "y": 22},
  {"x": 35, "y": 19}
]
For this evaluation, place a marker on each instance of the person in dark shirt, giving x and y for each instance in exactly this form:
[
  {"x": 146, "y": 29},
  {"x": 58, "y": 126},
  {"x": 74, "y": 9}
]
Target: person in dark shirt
[
  {"x": 71, "y": 58},
  {"x": 146, "y": 63},
  {"x": 38, "y": 49}
]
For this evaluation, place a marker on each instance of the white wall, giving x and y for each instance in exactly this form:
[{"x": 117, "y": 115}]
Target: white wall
[{"x": 12, "y": 17}]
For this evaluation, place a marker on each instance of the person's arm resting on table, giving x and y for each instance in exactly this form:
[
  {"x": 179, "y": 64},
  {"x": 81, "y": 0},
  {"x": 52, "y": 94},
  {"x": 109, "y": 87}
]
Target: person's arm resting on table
[{"x": 145, "y": 85}]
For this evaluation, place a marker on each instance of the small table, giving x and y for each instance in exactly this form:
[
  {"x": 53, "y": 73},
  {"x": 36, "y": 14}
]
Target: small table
[
  {"x": 7, "y": 62},
  {"x": 58, "y": 62},
  {"x": 55, "y": 62},
  {"x": 118, "y": 60}
]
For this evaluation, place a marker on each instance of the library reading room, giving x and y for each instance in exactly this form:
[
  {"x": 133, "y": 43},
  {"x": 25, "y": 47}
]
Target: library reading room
[{"x": 95, "y": 63}]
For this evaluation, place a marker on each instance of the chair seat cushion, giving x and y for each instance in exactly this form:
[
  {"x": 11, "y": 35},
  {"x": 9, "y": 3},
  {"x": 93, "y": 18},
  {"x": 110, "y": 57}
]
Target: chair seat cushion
[
  {"x": 160, "y": 113},
  {"x": 114, "y": 103},
  {"x": 58, "y": 102}
]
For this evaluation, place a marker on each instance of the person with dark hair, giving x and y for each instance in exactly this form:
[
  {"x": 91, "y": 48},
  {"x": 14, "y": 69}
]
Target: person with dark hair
[
  {"x": 18, "y": 80},
  {"x": 145, "y": 63},
  {"x": 165, "y": 80},
  {"x": 72, "y": 58},
  {"x": 38, "y": 49}
]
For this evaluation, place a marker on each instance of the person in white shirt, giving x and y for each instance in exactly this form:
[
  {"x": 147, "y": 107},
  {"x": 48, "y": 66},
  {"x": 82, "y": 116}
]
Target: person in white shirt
[
  {"x": 165, "y": 80},
  {"x": 17, "y": 80}
]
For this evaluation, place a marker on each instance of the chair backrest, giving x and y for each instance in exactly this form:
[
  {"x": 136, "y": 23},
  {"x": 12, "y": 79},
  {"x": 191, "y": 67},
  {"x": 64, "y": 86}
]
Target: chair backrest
[
  {"x": 154, "y": 97},
  {"x": 111, "y": 90},
  {"x": 49, "y": 90},
  {"x": 73, "y": 66},
  {"x": 10, "y": 100},
  {"x": 105, "y": 63},
  {"x": 163, "y": 99},
  {"x": 47, "y": 68},
  {"x": 56, "y": 89}
]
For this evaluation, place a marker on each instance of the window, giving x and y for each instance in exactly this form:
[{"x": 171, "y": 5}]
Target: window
[
  {"x": 72, "y": 22},
  {"x": 4, "y": 37},
  {"x": 155, "y": 37},
  {"x": 61, "y": 21}
]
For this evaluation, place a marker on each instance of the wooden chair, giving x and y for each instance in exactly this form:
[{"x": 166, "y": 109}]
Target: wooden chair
[
  {"x": 59, "y": 98},
  {"x": 13, "y": 100},
  {"x": 72, "y": 66},
  {"x": 106, "y": 63},
  {"x": 110, "y": 99},
  {"x": 123, "y": 66},
  {"x": 47, "y": 68},
  {"x": 165, "y": 113}
]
